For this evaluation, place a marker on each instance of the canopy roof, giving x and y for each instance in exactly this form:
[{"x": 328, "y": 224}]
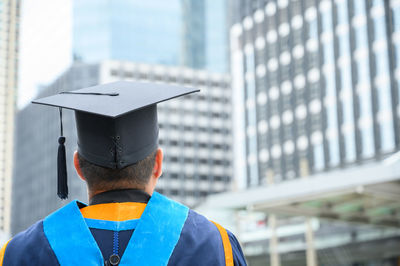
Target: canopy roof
[{"x": 366, "y": 194}]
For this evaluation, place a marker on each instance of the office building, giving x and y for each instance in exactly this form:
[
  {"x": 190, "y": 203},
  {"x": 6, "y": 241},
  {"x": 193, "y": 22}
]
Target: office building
[
  {"x": 137, "y": 31},
  {"x": 9, "y": 32},
  {"x": 191, "y": 33},
  {"x": 194, "y": 134},
  {"x": 205, "y": 35},
  {"x": 316, "y": 92},
  {"x": 321, "y": 83}
]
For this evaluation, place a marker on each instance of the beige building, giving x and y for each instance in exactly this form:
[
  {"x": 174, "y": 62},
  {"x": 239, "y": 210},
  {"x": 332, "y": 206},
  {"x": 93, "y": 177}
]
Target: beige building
[{"x": 9, "y": 31}]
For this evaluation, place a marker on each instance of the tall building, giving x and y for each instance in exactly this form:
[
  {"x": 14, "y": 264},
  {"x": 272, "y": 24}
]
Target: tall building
[
  {"x": 321, "y": 83},
  {"x": 316, "y": 94},
  {"x": 192, "y": 33},
  {"x": 205, "y": 34},
  {"x": 134, "y": 30},
  {"x": 194, "y": 134},
  {"x": 9, "y": 32}
]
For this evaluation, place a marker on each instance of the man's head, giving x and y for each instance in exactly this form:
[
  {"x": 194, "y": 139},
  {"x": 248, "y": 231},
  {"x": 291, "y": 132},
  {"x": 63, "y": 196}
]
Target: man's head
[
  {"x": 117, "y": 126},
  {"x": 140, "y": 175}
]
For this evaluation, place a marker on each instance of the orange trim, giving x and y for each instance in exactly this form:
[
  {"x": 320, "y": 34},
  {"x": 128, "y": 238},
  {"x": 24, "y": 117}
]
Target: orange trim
[
  {"x": 114, "y": 211},
  {"x": 226, "y": 243},
  {"x": 2, "y": 251}
]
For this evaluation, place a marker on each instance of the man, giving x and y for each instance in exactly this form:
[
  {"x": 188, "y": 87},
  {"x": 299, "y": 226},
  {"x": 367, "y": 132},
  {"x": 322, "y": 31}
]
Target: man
[{"x": 126, "y": 221}]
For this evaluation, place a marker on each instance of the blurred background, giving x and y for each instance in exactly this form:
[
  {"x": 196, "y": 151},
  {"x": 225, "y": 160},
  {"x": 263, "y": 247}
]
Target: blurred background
[{"x": 293, "y": 143}]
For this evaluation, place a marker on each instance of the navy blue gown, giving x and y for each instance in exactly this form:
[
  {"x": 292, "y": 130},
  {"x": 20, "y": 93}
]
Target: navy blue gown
[{"x": 163, "y": 232}]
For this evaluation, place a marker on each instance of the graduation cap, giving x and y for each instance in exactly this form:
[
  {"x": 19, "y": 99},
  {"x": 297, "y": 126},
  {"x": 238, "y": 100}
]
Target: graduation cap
[{"x": 116, "y": 123}]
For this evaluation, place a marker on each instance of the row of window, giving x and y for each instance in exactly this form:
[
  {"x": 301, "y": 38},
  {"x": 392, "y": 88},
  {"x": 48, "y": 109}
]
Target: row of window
[
  {"x": 179, "y": 78},
  {"x": 184, "y": 193},
  {"x": 197, "y": 160},
  {"x": 200, "y": 177},
  {"x": 188, "y": 144}
]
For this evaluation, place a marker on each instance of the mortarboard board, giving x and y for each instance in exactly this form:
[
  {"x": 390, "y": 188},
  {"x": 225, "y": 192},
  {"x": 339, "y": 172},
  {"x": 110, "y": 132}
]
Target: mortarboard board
[{"x": 116, "y": 122}]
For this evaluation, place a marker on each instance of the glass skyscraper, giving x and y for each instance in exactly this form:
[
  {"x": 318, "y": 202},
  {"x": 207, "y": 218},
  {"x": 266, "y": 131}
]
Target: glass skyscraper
[
  {"x": 134, "y": 30},
  {"x": 205, "y": 34},
  {"x": 192, "y": 33}
]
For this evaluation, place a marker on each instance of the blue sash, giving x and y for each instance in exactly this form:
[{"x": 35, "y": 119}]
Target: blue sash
[{"x": 152, "y": 243}]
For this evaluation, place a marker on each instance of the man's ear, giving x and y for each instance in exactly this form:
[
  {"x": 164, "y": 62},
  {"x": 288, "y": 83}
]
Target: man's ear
[
  {"x": 157, "y": 170},
  {"x": 78, "y": 167}
]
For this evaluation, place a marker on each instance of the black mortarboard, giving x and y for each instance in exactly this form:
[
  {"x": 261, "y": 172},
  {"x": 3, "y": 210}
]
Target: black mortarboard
[{"x": 116, "y": 122}]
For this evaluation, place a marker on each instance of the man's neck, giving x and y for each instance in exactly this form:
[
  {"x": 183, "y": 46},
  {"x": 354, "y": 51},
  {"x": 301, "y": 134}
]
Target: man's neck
[
  {"x": 149, "y": 189},
  {"x": 120, "y": 195}
]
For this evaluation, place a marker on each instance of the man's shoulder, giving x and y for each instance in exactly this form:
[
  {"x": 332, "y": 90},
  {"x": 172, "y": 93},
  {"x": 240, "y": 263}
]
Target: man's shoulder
[
  {"x": 29, "y": 246},
  {"x": 31, "y": 234},
  {"x": 198, "y": 225},
  {"x": 204, "y": 242},
  {"x": 202, "y": 231},
  {"x": 35, "y": 232},
  {"x": 200, "y": 242}
]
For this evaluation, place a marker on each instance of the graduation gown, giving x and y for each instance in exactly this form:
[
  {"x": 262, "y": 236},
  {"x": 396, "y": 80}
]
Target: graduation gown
[{"x": 125, "y": 227}]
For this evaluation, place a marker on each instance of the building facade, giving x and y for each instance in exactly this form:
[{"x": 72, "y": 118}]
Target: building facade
[
  {"x": 9, "y": 32},
  {"x": 321, "y": 83},
  {"x": 315, "y": 89},
  {"x": 191, "y": 33},
  {"x": 205, "y": 34},
  {"x": 127, "y": 30},
  {"x": 194, "y": 134}
]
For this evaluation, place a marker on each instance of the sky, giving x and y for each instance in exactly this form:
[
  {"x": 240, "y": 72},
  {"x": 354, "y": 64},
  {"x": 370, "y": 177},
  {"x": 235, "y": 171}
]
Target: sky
[{"x": 45, "y": 44}]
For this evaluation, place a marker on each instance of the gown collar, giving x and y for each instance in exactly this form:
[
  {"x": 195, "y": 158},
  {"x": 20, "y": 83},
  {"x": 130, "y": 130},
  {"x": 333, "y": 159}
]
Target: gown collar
[{"x": 120, "y": 195}]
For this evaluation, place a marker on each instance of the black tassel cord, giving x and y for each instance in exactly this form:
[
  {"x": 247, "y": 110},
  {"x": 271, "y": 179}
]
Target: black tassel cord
[{"x": 62, "y": 185}]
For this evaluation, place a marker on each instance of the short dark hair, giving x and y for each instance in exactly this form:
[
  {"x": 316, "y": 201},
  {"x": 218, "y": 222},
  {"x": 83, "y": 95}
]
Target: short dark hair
[{"x": 136, "y": 175}]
